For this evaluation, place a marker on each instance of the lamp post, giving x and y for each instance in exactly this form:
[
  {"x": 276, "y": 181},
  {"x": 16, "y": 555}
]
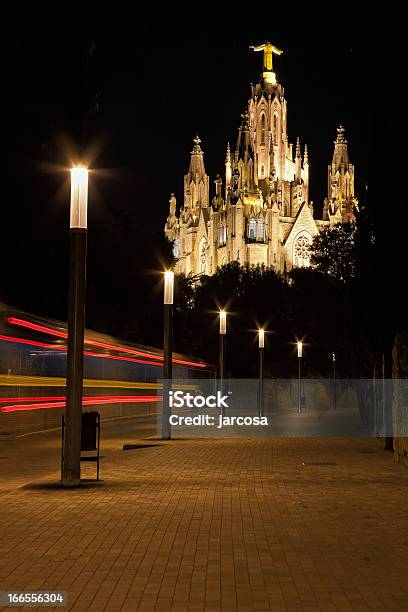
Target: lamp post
[
  {"x": 261, "y": 344},
  {"x": 223, "y": 333},
  {"x": 168, "y": 351},
  {"x": 300, "y": 354},
  {"x": 71, "y": 475},
  {"x": 334, "y": 381}
]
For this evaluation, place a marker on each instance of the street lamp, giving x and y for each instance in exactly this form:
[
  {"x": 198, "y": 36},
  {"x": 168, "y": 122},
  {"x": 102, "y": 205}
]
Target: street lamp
[
  {"x": 71, "y": 475},
  {"x": 300, "y": 355},
  {"x": 261, "y": 343},
  {"x": 334, "y": 381},
  {"x": 168, "y": 351},
  {"x": 223, "y": 333}
]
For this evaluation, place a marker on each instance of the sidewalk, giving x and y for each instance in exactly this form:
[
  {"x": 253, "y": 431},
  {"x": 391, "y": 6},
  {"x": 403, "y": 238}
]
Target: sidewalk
[{"x": 233, "y": 524}]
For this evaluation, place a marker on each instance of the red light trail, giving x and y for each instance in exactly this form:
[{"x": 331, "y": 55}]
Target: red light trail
[
  {"x": 59, "y": 401},
  {"x": 98, "y": 343},
  {"x": 57, "y": 347}
]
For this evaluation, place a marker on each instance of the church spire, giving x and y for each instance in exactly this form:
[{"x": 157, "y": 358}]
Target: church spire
[
  {"x": 340, "y": 184},
  {"x": 228, "y": 170},
  {"x": 197, "y": 159},
  {"x": 306, "y": 173},
  {"x": 196, "y": 181},
  {"x": 244, "y": 147},
  {"x": 298, "y": 162},
  {"x": 228, "y": 155},
  {"x": 298, "y": 147},
  {"x": 306, "y": 156},
  {"x": 340, "y": 154},
  {"x": 244, "y": 155}
]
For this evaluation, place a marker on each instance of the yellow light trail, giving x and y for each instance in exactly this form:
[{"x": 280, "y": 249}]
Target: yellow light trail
[{"x": 55, "y": 381}]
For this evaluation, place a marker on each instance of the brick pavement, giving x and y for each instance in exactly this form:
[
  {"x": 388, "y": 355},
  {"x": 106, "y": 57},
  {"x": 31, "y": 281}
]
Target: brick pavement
[{"x": 233, "y": 524}]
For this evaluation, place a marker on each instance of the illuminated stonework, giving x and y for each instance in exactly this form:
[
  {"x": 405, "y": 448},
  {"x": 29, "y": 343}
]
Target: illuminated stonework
[
  {"x": 262, "y": 215},
  {"x": 302, "y": 251}
]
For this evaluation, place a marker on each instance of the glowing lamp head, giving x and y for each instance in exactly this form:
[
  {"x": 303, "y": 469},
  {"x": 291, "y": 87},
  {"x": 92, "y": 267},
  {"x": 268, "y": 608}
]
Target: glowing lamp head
[
  {"x": 223, "y": 322},
  {"x": 79, "y": 197},
  {"x": 261, "y": 337},
  {"x": 168, "y": 287},
  {"x": 300, "y": 349},
  {"x": 334, "y": 357}
]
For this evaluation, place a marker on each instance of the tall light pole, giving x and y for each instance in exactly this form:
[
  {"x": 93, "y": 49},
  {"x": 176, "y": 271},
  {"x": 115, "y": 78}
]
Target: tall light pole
[
  {"x": 334, "y": 381},
  {"x": 223, "y": 333},
  {"x": 71, "y": 476},
  {"x": 300, "y": 354},
  {"x": 168, "y": 351},
  {"x": 261, "y": 344}
]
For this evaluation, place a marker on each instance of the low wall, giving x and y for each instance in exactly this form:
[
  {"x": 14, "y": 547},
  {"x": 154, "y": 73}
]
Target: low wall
[{"x": 14, "y": 424}]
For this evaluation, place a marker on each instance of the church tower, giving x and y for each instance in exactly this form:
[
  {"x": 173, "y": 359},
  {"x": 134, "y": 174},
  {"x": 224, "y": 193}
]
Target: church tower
[
  {"x": 182, "y": 230},
  {"x": 340, "y": 202},
  {"x": 262, "y": 214},
  {"x": 196, "y": 181}
]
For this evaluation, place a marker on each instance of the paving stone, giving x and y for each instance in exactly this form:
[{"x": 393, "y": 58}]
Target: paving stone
[{"x": 233, "y": 524}]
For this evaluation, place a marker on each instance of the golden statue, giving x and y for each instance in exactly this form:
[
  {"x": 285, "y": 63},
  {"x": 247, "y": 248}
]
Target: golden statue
[{"x": 268, "y": 50}]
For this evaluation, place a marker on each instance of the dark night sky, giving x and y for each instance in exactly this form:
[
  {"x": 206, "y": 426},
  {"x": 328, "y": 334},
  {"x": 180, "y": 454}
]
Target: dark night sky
[{"x": 133, "y": 89}]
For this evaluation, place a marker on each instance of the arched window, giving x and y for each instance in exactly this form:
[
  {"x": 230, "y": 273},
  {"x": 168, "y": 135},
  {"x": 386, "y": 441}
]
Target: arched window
[
  {"x": 275, "y": 128},
  {"x": 176, "y": 248},
  {"x": 260, "y": 230},
  {"x": 223, "y": 232},
  {"x": 262, "y": 171},
  {"x": 262, "y": 128},
  {"x": 252, "y": 229}
]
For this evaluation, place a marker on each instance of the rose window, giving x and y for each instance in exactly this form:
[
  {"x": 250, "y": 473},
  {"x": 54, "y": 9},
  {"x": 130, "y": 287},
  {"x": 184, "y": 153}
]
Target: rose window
[{"x": 302, "y": 251}]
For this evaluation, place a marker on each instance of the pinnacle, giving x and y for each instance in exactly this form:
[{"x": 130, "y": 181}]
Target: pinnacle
[
  {"x": 298, "y": 147},
  {"x": 228, "y": 155},
  {"x": 340, "y": 134}
]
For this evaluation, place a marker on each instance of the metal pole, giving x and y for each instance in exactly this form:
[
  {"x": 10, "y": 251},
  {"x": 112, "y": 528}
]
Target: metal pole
[
  {"x": 261, "y": 367},
  {"x": 222, "y": 368},
  {"x": 299, "y": 388},
  {"x": 75, "y": 358},
  {"x": 62, "y": 446},
  {"x": 334, "y": 385},
  {"x": 383, "y": 392},
  {"x": 167, "y": 369},
  {"x": 99, "y": 445}
]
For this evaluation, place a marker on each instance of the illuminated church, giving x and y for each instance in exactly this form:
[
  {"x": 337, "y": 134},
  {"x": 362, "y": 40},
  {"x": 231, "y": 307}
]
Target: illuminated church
[{"x": 261, "y": 213}]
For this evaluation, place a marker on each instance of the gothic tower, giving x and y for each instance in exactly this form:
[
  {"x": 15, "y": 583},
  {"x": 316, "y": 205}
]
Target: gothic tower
[
  {"x": 340, "y": 202},
  {"x": 263, "y": 215},
  {"x": 196, "y": 181}
]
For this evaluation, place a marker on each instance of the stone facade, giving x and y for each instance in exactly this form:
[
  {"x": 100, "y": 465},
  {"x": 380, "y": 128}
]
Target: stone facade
[{"x": 262, "y": 215}]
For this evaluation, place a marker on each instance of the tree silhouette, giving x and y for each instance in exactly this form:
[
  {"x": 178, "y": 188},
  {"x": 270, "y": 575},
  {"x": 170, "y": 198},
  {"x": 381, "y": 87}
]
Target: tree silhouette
[{"x": 333, "y": 251}]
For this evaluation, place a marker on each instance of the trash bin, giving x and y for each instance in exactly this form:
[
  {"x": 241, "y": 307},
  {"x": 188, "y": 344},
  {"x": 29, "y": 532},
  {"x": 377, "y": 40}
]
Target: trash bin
[{"x": 88, "y": 431}]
